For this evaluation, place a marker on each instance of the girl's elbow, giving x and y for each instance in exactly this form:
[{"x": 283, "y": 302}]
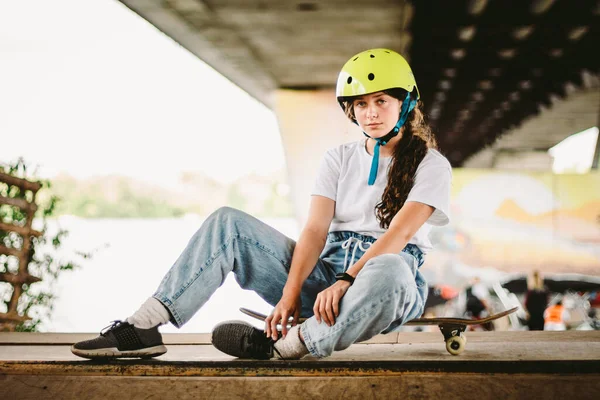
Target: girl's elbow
[
  {"x": 315, "y": 233},
  {"x": 401, "y": 234}
]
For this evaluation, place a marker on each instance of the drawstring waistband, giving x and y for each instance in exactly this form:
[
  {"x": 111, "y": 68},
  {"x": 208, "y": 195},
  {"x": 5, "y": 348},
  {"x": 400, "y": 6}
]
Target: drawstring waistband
[
  {"x": 363, "y": 242},
  {"x": 359, "y": 245}
]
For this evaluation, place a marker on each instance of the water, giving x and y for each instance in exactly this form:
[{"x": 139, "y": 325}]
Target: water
[{"x": 132, "y": 257}]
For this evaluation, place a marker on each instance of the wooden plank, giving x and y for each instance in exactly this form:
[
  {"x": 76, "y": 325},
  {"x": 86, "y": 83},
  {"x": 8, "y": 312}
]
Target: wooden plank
[
  {"x": 14, "y": 301},
  {"x": 13, "y": 317},
  {"x": 19, "y": 279},
  {"x": 22, "y": 183},
  {"x": 20, "y": 203},
  {"x": 23, "y": 231},
  {"x": 10, "y": 251}
]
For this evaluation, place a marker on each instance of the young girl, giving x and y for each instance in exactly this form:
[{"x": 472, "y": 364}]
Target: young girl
[{"x": 354, "y": 272}]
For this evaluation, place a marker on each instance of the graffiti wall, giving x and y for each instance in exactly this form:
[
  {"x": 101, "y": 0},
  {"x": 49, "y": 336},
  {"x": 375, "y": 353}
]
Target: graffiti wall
[{"x": 517, "y": 222}]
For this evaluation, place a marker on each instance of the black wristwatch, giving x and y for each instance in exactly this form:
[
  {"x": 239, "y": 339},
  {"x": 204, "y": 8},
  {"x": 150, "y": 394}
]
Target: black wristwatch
[{"x": 342, "y": 276}]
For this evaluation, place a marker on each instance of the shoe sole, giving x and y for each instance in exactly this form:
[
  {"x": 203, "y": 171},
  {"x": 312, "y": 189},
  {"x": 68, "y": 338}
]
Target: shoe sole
[
  {"x": 113, "y": 352},
  {"x": 222, "y": 341}
]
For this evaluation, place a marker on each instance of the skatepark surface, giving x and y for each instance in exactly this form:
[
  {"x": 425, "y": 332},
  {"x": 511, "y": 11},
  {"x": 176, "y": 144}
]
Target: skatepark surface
[{"x": 501, "y": 364}]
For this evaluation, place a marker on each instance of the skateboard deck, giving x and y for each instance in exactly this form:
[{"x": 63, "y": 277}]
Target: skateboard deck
[{"x": 453, "y": 329}]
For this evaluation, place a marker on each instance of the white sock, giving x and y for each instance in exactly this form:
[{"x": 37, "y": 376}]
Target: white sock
[
  {"x": 291, "y": 348},
  {"x": 149, "y": 315}
]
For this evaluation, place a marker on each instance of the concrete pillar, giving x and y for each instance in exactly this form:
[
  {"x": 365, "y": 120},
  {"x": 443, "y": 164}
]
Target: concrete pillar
[
  {"x": 310, "y": 122},
  {"x": 596, "y": 158}
]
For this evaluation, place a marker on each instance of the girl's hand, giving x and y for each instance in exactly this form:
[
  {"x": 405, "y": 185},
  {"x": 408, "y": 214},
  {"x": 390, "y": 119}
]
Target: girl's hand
[
  {"x": 288, "y": 306},
  {"x": 326, "y": 307}
]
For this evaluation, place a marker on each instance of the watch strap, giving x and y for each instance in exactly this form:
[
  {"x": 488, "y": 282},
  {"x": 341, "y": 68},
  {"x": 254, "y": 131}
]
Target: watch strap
[{"x": 343, "y": 276}]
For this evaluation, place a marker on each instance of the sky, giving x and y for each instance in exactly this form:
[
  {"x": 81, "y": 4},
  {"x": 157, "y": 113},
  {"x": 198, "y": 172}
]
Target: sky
[
  {"x": 575, "y": 154},
  {"x": 90, "y": 88}
]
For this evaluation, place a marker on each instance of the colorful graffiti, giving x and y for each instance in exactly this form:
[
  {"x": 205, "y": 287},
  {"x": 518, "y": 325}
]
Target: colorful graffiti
[{"x": 517, "y": 222}]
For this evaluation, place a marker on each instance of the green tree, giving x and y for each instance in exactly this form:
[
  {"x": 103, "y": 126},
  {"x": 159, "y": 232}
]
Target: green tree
[{"x": 37, "y": 298}]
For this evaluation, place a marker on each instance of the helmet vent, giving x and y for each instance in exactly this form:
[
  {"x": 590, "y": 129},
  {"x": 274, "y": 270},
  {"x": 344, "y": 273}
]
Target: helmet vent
[
  {"x": 371, "y": 77},
  {"x": 349, "y": 80},
  {"x": 355, "y": 59},
  {"x": 372, "y": 56}
]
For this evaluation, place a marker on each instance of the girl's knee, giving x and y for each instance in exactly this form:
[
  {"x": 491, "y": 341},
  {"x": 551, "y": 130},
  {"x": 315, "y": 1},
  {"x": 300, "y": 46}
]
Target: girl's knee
[
  {"x": 225, "y": 213},
  {"x": 222, "y": 223},
  {"x": 227, "y": 216},
  {"x": 390, "y": 263},
  {"x": 392, "y": 269}
]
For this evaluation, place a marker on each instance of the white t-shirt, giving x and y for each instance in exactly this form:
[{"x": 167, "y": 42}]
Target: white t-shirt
[{"x": 343, "y": 176}]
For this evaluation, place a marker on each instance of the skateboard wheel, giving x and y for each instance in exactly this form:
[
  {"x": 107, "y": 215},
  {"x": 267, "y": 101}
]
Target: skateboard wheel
[{"x": 455, "y": 345}]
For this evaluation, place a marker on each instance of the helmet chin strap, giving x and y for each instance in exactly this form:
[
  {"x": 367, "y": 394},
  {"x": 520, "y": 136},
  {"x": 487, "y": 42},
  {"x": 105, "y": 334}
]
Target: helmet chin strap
[{"x": 407, "y": 106}]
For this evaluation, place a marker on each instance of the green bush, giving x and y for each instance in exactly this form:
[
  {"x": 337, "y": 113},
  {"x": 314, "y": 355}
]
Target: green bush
[{"x": 37, "y": 298}]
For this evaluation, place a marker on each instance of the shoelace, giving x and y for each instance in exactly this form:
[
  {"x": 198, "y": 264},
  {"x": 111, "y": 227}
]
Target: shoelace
[
  {"x": 359, "y": 245},
  {"x": 110, "y": 327},
  {"x": 258, "y": 345}
]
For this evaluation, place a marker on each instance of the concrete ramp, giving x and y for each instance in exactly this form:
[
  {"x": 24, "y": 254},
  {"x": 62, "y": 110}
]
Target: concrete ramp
[{"x": 495, "y": 365}]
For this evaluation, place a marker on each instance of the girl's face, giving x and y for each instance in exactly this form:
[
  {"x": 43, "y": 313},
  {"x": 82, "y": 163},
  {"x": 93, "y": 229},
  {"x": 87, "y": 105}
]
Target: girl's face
[{"x": 377, "y": 113}]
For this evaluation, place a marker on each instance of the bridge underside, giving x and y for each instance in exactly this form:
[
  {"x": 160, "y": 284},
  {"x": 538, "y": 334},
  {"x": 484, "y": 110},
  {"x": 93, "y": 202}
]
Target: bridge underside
[
  {"x": 483, "y": 67},
  {"x": 525, "y": 72}
]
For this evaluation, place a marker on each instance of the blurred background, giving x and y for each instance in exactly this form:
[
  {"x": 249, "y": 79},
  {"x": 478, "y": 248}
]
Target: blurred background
[{"x": 146, "y": 116}]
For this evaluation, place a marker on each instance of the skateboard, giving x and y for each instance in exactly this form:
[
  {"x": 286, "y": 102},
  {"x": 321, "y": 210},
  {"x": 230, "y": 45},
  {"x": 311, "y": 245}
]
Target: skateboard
[{"x": 453, "y": 329}]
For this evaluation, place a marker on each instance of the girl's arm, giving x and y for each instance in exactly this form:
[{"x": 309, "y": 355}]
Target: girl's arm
[
  {"x": 306, "y": 253},
  {"x": 311, "y": 242},
  {"x": 402, "y": 228}
]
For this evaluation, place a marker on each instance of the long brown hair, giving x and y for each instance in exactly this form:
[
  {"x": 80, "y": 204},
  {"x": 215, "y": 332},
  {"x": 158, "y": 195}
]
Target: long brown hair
[{"x": 416, "y": 140}]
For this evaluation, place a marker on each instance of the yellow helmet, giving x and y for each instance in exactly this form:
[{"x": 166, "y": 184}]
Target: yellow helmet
[{"x": 373, "y": 71}]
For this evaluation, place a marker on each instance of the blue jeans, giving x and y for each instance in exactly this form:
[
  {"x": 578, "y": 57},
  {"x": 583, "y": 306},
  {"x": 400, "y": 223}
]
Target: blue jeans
[{"x": 387, "y": 292}]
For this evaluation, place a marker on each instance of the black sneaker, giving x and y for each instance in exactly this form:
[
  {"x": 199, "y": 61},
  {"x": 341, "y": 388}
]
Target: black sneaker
[
  {"x": 240, "y": 339},
  {"x": 121, "y": 339}
]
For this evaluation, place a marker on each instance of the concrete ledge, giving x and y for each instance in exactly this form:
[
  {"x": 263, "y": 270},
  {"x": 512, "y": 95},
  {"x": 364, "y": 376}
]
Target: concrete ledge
[
  {"x": 311, "y": 367},
  {"x": 410, "y": 349},
  {"x": 494, "y": 365},
  {"x": 168, "y": 338},
  {"x": 407, "y": 386},
  {"x": 50, "y": 339}
]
